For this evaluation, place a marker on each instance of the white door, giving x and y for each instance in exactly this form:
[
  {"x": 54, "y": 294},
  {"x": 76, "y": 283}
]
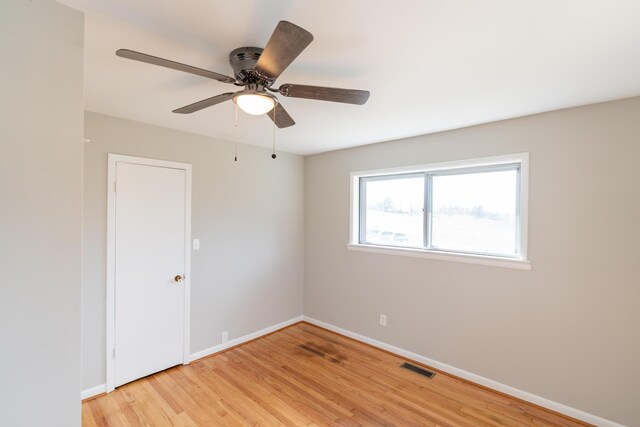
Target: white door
[{"x": 150, "y": 239}]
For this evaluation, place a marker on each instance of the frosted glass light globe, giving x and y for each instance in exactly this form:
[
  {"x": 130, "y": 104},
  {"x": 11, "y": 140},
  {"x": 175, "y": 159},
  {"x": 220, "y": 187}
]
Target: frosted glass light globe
[{"x": 254, "y": 103}]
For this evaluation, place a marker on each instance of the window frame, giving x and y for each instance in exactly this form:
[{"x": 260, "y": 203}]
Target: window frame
[{"x": 478, "y": 165}]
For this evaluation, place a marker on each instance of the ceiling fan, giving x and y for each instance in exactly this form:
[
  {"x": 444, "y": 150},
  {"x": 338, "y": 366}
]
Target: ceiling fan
[{"x": 257, "y": 69}]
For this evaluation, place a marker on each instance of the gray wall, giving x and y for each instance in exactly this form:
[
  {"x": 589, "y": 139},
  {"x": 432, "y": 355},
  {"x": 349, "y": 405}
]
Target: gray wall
[
  {"x": 248, "y": 216},
  {"x": 41, "y": 116},
  {"x": 569, "y": 329}
]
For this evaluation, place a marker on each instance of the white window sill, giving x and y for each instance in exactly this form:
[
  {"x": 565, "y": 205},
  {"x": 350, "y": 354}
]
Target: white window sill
[{"x": 519, "y": 264}]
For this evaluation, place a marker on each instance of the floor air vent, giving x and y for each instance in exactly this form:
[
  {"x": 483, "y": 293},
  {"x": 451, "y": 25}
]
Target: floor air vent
[{"x": 418, "y": 370}]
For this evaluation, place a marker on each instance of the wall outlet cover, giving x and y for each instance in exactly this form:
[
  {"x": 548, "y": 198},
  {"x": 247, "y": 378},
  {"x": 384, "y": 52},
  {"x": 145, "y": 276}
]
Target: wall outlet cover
[{"x": 383, "y": 319}]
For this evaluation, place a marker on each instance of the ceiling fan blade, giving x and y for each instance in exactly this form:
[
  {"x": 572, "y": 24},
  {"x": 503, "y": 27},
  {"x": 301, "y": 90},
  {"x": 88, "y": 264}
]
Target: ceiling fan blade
[
  {"x": 150, "y": 59},
  {"x": 347, "y": 96},
  {"x": 282, "y": 118},
  {"x": 197, "y": 106},
  {"x": 286, "y": 43}
]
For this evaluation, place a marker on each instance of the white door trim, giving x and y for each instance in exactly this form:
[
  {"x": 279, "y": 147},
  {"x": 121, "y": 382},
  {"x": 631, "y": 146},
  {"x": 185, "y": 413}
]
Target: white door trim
[{"x": 113, "y": 159}]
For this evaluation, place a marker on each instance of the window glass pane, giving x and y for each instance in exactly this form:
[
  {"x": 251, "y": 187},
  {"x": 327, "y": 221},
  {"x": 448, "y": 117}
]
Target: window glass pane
[
  {"x": 394, "y": 211},
  {"x": 475, "y": 212}
]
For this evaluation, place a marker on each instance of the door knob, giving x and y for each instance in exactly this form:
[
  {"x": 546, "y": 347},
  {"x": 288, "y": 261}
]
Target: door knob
[{"x": 178, "y": 278}]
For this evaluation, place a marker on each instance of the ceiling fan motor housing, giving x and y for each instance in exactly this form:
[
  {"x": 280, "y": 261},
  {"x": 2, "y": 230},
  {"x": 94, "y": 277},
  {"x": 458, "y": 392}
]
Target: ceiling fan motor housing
[{"x": 243, "y": 61}]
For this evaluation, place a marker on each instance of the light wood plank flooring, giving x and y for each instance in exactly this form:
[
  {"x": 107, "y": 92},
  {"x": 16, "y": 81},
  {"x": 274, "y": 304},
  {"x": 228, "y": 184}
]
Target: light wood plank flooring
[{"x": 305, "y": 375}]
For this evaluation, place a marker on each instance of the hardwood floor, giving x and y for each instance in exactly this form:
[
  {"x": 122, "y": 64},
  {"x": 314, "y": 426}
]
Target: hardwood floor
[{"x": 305, "y": 375}]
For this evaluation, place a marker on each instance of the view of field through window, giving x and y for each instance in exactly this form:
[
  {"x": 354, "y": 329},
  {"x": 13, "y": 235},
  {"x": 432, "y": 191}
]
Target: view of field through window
[
  {"x": 475, "y": 212},
  {"x": 470, "y": 212},
  {"x": 395, "y": 211}
]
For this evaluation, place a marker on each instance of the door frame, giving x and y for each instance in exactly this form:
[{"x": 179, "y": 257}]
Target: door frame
[{"x": 113, "y": 160}]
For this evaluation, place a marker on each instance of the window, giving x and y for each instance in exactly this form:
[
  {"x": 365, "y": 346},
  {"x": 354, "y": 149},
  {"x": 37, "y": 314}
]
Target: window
[
  {"x": 392, "y": 210},
  {"x": 469, "y": 208}
]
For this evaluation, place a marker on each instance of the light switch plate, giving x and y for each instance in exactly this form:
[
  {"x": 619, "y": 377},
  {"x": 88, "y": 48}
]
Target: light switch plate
[{"x": 196, "y": 244}]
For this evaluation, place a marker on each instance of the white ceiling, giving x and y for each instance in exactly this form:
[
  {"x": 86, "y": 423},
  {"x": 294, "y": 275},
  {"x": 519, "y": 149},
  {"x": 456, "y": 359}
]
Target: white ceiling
[{"x": 430, "y": 65}]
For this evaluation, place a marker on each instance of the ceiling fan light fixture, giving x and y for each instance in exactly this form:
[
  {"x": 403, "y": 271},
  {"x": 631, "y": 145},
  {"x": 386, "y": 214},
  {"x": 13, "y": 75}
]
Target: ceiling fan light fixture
[{"x": 254, "y": 102}]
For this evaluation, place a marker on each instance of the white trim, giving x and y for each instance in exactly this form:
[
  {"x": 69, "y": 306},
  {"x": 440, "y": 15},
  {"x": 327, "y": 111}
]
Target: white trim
[
  {"x": 111, "y": 260},
  {"x": 524, "y": 205},
  {"x": 520, "y": 394},
  {"x": 521, "y": 158},
  {"x": 186, "y": 339},
  {"x": 220, "y": 347},
  {"x": 113, "y": 159},
  {"x": 464, "y": 163},
  {"x": 93, "y": 391},
  {"x": 518, "y": 264}
]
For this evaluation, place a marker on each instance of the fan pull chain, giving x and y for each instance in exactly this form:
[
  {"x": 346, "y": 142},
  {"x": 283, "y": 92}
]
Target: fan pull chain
[
  {"x": 237, "y": 135},
  {"x": 273, "y": 156}
]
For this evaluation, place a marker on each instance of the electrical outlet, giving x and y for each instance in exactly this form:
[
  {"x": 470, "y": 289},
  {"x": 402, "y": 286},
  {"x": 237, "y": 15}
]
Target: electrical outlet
[
  {"x": 225, "y": 337},
  {"x": 383, "y": 319},
  {"x": 196, "y": 244}
]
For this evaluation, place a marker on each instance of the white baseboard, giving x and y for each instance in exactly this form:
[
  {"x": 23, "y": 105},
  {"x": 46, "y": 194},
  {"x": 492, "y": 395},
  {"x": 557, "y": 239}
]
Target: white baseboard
[
  {"x": 220, "y": 347},
  {"x": 93, "y": 391},
  {"x": 520, "y": 394}
]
